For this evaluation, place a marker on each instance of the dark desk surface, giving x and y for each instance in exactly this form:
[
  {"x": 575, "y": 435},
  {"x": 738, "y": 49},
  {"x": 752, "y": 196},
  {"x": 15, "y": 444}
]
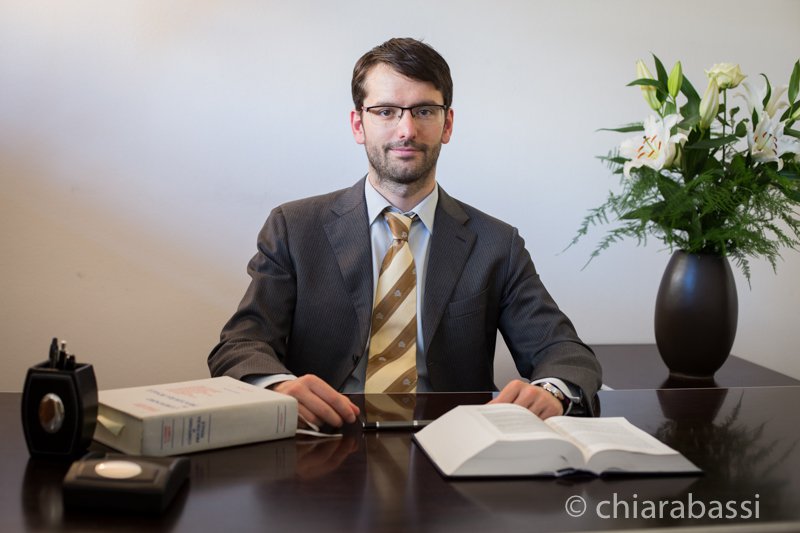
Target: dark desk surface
[
  {"x": 745, "y": 439},
  {"x": 638, "y": 366}
]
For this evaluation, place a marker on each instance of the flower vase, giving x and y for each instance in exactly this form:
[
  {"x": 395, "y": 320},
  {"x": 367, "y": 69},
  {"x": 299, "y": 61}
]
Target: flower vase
[{"x": 696, "y": 315}]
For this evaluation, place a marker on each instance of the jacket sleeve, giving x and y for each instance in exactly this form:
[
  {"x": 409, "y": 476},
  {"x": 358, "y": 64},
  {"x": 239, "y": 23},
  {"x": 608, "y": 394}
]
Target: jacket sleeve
[
  {"x": 254, "y": 340},
  {"x": 542, "y": 340}
]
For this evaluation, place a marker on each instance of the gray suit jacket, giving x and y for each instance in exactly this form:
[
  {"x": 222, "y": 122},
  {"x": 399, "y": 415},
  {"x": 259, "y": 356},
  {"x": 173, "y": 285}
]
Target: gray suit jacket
[{"x": 308, "y": 306}]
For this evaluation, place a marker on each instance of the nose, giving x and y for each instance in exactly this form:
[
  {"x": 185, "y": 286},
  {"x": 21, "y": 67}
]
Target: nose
[{"x": 407, "y": 126}]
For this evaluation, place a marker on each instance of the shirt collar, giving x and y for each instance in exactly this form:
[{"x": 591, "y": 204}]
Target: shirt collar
[{"x": 425, "y": 210}]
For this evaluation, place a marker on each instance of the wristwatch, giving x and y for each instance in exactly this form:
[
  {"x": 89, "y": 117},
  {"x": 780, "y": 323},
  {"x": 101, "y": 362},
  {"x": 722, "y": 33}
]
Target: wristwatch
[{"x": 566, "y": 403}]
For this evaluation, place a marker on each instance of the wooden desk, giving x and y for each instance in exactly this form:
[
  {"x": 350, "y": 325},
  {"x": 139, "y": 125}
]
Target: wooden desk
[
  {"x": 638, "y": 366},
  {"x": 745, "y": 439}
]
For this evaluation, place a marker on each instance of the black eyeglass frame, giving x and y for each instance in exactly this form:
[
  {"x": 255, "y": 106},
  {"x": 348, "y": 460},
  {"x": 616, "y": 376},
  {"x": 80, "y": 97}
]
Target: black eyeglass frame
[{"x": 402, "y": 109}]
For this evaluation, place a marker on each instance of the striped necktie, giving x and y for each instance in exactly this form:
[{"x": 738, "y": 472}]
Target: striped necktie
[{"x": 392, "y": 363}]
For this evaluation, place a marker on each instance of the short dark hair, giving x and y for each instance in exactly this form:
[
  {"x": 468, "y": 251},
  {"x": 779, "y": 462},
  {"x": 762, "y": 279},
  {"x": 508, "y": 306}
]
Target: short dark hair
[{"x": 411, "y": 58}]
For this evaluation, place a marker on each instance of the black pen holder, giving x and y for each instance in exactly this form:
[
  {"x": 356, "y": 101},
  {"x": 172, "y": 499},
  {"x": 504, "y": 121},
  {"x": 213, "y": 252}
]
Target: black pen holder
[{"x": 59, "y": 410}]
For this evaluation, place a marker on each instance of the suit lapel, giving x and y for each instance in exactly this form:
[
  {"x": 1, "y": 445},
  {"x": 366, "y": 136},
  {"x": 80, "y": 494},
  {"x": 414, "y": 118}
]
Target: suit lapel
[
  {"x": 451, "y": 244},
  {"x": 348, "y": 234}
]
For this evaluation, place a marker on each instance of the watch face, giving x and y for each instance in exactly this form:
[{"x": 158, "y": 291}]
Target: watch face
[{"x": 555, "y": 391}]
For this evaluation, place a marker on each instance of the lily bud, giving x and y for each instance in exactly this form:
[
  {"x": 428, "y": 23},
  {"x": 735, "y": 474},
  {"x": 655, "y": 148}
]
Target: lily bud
[
  {"x": 648, "y": 91},
  {"x": 796, "y": 114},
  {"x": 709, "y": 105},
  {"x": 675, "y": 80},
  {"x": 727, "y": 75}
]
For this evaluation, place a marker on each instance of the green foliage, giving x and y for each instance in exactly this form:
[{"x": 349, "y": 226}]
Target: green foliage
[{"x": 723, "y": 190}]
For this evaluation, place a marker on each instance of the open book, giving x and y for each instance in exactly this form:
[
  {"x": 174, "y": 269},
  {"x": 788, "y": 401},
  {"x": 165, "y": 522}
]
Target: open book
[{"x": 509, "y": 440}]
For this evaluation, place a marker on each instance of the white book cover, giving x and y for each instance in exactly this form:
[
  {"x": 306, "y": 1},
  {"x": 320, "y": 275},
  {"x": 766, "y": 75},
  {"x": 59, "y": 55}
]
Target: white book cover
[{"x": 192, "y": 416}]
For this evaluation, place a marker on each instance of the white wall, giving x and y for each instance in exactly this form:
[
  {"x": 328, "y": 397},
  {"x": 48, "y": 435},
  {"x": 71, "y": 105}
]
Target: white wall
[{"x": 142, "y": 145}]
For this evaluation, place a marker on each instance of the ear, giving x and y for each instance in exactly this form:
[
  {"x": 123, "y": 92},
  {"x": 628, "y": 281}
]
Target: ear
[
  {"x": 448, "y": 127},
  {"x": 357, "y": 126}
]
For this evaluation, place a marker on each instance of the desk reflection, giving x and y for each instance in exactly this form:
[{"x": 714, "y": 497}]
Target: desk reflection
[{"x": 320, "y": 457}]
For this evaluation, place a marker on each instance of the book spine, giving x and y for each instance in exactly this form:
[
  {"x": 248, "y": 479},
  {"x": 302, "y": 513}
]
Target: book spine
[{"x": 194, "y": 431}]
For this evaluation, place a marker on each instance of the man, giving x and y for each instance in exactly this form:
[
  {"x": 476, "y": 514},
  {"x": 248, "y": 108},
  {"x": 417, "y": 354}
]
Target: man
[{"x": 392, "y": 285}]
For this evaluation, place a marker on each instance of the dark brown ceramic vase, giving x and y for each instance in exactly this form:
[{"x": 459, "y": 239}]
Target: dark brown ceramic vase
[{"x": 696, "y": 314}]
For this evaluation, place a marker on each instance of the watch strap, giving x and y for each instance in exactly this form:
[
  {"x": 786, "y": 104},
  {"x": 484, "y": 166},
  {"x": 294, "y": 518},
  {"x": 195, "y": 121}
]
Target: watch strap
[{"x": 558, "y": 394}]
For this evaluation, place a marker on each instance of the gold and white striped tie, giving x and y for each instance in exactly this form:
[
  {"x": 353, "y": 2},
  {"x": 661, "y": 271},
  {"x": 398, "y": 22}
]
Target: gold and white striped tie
[{"x": 392, "y": 363}]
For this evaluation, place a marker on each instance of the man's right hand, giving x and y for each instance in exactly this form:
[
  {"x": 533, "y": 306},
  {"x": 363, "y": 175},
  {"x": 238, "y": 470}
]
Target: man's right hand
[{"x": 318, "y": 402}]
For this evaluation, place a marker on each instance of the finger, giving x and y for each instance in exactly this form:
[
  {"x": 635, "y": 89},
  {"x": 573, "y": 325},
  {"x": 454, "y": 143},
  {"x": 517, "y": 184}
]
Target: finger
[
  {"x": 338, "y": 403},
  {"x": 535, "y": 399},
  {"x": 322, "y": 412},
  {"x": 545, "y": 404},
  {"x": 548, "y": 410},
  {"x": 310, "y": 406},
  {"x": 326, "y": 403},
  {"x": 552, "y": 410},
  {"x": 509, "y": 393},
  {"x": 305, "y": 416}
]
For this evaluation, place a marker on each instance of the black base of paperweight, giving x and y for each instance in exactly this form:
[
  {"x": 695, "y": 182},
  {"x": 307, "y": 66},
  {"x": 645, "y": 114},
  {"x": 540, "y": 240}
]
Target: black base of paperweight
[{"x": 59, "y": 410}]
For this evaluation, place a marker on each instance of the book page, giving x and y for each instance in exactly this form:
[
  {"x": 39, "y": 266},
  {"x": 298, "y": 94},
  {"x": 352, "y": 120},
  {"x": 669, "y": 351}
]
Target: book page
[
  {"x": 593, "y": 435},
  {"x": 513, "y": 421},
  {"x": 496, "y": 440}
]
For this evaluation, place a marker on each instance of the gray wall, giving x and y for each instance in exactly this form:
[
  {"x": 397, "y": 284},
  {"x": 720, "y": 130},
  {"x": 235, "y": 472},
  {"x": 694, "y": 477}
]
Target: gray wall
[{"x": 142, "y": 145}]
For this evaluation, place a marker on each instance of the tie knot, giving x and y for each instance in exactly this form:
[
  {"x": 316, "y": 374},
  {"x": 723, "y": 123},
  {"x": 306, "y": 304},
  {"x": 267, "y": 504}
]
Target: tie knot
[{"x": 398, "y": 224}]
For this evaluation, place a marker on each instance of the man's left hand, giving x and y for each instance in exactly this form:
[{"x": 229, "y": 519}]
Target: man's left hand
[{"x": 535, "y": 399}]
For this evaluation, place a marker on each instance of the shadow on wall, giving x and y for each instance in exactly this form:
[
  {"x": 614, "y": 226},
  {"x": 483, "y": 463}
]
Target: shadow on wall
[{"x": 137, "y": 305}]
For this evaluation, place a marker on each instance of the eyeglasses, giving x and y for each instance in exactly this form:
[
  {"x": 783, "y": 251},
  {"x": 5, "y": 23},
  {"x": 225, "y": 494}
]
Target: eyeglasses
[{"x": 390, "y": 115}]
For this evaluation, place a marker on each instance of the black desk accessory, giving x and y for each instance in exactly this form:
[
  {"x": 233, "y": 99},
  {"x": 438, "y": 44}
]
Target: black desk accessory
[
  {"x": 118, "y": 482},
  {"x": 59, "y": 406}
]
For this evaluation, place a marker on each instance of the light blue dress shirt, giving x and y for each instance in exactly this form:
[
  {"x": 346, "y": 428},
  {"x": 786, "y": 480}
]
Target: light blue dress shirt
[{"x": 419, "y": 239}]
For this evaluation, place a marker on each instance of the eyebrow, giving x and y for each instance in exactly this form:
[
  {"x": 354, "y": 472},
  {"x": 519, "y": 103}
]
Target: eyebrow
[{"x": 388, "y": 104}]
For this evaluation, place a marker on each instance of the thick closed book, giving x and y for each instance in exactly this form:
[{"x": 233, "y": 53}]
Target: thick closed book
[
  {"x": 191, "y": 416},
  {"x": 509, "y": 440}
]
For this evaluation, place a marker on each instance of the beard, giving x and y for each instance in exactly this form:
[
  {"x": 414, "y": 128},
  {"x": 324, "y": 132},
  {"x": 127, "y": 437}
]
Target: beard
[{"x": 400, "y": 172}]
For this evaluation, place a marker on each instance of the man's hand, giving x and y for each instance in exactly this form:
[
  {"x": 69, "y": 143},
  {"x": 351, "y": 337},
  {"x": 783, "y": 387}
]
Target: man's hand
[
  {"x": 535, "y": 399},
  {"x": 318, "y": 402}
]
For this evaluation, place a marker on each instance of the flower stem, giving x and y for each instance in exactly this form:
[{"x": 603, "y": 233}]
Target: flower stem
[{"x": 725, "y": 105}]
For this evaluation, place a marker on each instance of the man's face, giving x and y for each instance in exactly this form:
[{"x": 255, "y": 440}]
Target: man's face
[{"x": 401, "y": 152}]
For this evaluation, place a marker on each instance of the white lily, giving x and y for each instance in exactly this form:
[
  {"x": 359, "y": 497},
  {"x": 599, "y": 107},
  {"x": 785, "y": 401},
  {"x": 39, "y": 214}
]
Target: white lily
[
  {"x": 768, "y": 142},
  {"x": 755, "y": 99},
  {"x": 648, "y": 91},
  {"x": 727, "y": 75},
  {"x": 709, "y": 105},
  {"x": 656, "y": 148}
]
